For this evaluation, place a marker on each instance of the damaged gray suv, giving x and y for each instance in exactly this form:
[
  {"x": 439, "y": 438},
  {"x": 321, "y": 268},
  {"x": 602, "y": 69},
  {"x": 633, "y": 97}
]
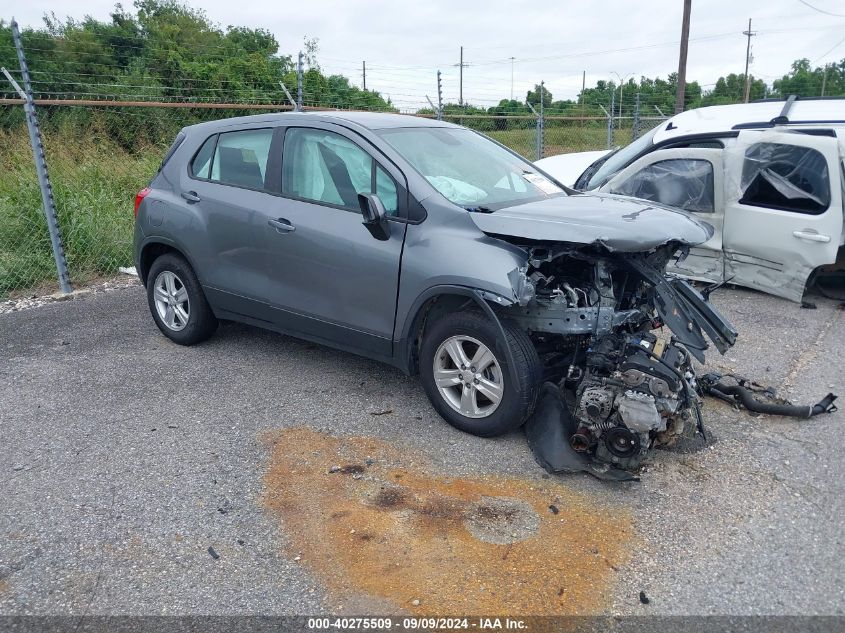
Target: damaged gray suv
[{"x": 435, "y": 249}]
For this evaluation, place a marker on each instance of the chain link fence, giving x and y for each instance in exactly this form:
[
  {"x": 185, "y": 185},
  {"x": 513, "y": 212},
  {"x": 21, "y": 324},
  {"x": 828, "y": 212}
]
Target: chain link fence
[{"x": 94, "y": 182}]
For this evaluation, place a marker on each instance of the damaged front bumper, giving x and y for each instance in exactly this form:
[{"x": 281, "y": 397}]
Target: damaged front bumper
[{"x": 614, "y": 389}]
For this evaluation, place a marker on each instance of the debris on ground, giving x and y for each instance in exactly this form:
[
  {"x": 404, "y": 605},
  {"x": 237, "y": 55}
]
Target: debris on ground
[
  {"x": 213, "y": 553},
  {"x": 744, "y": 393},
  {"x": 404, "y": 531},
  {"x": 644, "y": 598}
]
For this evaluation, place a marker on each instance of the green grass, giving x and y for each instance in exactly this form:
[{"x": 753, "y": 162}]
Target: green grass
[
  {"x": 94, "y": 183},
  {"x": 560, "y": 140}
]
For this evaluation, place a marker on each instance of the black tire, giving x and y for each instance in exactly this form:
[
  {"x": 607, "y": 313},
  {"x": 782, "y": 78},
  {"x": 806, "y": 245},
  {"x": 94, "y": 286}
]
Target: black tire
[
  {"x": 201, "y": 322},
  {"x": 518, "y": 400}
]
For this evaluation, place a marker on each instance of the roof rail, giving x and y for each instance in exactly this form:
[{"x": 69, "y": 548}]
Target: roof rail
[
  {"x": 756, "y": 125},
  {"x": 783, "y": 117},
  {"x": 798, "y": 98}
]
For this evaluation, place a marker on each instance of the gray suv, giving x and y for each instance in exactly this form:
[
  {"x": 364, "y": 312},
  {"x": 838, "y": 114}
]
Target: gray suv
[{"x": 435, "y": 249}]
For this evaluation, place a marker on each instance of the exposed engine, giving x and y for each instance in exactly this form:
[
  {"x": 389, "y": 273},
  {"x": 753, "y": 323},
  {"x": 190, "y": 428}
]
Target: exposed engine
[
  {"x": 593, "y": 320},
  {"x": 632, "y": 396}
]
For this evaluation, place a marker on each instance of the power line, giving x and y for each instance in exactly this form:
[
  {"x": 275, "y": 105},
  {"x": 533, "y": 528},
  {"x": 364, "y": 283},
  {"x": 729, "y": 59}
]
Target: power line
[{"x": 807, "y": 4}]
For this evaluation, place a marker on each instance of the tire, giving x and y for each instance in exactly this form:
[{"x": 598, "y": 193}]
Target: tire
[
  {"x": 438, "y": 352},
  {"x": 196, "y": 322}
]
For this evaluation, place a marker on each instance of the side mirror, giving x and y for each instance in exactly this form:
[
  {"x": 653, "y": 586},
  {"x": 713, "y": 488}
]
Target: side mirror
[{"x": 375, "y": 217}]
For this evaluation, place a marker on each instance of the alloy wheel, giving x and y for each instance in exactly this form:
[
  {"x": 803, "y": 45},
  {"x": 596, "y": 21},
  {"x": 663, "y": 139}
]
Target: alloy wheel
[
  {"x": 171, "y": 300},
  {"x": 468, "y": 376}
]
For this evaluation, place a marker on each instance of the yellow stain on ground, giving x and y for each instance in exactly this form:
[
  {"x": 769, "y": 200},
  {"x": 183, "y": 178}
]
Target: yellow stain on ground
[{"x": 385, "y": 525}]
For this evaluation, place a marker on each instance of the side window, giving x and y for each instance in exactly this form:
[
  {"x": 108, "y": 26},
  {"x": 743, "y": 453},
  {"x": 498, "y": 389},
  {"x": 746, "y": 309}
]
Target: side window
[
  {"x": 786, "y": 177},
  {"x": 326, "y": 167},
  {"x": 201, "y": 165},
  {"x": 685, "y": 183},
  {"x": 240, "y": 158}
]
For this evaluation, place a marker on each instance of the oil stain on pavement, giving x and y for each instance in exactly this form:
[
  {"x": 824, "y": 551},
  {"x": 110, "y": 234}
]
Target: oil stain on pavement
[{"x": 375, "y": 520}]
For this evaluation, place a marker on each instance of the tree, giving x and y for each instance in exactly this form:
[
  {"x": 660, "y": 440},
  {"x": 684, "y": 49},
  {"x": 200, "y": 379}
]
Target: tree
[
  {"x": 533, "y": 96},
  {"x": 803, "y": 80}
]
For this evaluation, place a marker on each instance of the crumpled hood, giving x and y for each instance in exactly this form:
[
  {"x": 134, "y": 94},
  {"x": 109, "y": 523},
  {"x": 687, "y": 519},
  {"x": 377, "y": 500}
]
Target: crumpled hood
[{"x": 618, "y": 223}]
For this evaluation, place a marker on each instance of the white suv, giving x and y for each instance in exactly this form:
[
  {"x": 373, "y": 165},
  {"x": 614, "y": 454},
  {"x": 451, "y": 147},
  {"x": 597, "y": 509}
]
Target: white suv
[{"x": 768, "y": 176}]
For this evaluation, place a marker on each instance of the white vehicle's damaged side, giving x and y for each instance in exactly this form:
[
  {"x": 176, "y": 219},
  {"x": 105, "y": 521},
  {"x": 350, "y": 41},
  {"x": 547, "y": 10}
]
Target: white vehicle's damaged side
[{"x": 774, "y": 198}]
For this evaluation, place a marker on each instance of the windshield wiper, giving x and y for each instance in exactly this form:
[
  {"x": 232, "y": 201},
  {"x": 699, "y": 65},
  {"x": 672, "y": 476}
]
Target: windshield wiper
[{"x": 479, "y": 209}]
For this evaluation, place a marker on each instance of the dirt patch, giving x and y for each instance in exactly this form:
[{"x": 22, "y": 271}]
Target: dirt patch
[
  {"x": 4, "y": 585},
  {"x": 396, "y": 531}
]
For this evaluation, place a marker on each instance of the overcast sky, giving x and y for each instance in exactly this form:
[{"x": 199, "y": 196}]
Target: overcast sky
[{"x": 404, "y": 43}]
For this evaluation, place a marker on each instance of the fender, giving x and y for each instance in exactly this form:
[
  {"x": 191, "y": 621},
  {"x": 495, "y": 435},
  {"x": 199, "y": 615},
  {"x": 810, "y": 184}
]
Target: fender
[
  {"x": 166, "y": 241},
  {"x": 403, "y": 347}
]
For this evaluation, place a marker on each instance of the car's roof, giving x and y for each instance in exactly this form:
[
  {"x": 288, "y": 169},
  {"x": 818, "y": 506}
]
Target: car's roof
[
  {"x": 368, "y": 120},
  {"x": 724, "y": 118}
]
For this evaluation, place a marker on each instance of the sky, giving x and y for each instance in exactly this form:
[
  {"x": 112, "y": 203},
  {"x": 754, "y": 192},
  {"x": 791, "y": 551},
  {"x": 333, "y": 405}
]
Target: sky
[{"x": 405, "y": 43}]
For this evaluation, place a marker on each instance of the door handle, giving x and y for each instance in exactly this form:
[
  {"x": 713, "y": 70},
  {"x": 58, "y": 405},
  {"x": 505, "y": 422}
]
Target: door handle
[
  {"x": 282, "y": 225},
  {"x": 811, "y": 236},
  {"x": 191, "y": 196}
]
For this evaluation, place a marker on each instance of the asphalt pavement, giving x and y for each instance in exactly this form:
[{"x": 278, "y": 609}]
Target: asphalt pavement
[{"x": 124, "y": 458}]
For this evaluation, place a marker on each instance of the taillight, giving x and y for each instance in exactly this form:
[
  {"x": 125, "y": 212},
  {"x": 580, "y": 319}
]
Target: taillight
[{"x": 140, "y": 196}]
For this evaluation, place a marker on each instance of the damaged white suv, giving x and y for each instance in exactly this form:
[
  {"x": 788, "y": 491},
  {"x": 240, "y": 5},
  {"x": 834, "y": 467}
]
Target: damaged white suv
[{"x": 767, "y": 176}]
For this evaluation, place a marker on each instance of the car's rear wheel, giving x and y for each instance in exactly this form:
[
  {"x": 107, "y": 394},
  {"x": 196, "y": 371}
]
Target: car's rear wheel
[
  {"x": 463, "y": 368},
  {"x": 177, "y": 302}
]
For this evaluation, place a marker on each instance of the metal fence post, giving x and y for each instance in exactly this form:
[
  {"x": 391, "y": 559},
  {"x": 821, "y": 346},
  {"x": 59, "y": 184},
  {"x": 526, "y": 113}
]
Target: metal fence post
[
  {"x": 439, "y": 97},
  {"x": 610, "y": 120},
  {"x": 40, "y": 163},
  {"x": 635, "y": 126},
  {"x": 541, "y": 125},
  {"x": 299, "y": 82}
]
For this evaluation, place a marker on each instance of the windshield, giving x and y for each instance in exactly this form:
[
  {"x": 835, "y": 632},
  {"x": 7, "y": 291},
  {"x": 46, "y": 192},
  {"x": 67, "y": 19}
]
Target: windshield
[
  {"x": 620, "y": 159},
  {"x": 469, "y": 169}
]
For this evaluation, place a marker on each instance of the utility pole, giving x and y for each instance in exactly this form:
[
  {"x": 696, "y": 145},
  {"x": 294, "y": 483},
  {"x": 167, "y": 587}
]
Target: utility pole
[
  {"x": 824, "y": 79},
  {"x": 512, "y": 60},
  {"x": 748, "y": 34},
  {"x": 583, "y": 84},
  {"x": 682, "y": 59},
  {"x": 583, "y": 88},
  {"x": 364, "y": 73}
]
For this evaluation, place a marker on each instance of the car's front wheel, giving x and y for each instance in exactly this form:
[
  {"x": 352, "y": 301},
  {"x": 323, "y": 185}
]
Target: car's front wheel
[
  {"x": 177, "y": 302},
  {"x": 463, "y": 368}
]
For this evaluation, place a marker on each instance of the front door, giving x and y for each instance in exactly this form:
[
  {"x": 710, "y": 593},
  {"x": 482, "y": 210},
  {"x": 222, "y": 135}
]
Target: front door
[
  {"x": 783, "y": 216},
  {"x": 689, "y": 179},
  {"x": 330, "y": 279}
]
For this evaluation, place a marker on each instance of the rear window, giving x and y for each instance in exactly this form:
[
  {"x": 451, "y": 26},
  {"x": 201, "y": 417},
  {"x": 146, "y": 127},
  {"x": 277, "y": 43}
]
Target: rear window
[
  {"x": 240, "y": 158},
  {"x": 201, "y": 165},
  {"x": 785, "y": 177}
]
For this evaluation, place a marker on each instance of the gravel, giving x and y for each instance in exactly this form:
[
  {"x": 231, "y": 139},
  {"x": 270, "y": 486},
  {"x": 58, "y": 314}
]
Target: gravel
[{"x": 120, "y": 450}]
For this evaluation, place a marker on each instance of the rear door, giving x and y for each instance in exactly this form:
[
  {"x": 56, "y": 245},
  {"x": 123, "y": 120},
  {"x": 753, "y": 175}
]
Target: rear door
[
  {"x": 690, "y": 179},
  {"x": 783, "y": 212},
  {"x": 228, "y": 184}
]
